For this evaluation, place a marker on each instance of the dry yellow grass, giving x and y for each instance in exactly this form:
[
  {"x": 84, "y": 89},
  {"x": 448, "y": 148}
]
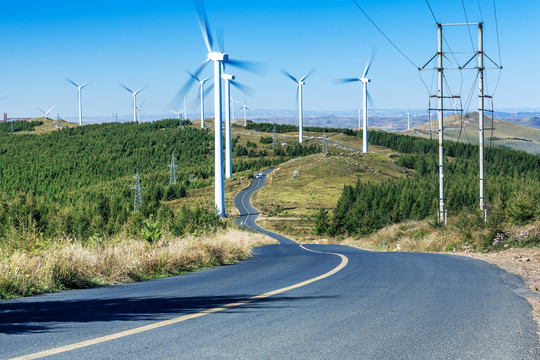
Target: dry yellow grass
[{"x": 69, "y": 264}]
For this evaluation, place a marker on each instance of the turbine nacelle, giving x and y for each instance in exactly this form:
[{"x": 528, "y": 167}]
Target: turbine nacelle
[
  {"x": 365, "y": 80},
  {"x": 227, "y": 77},
  {"x": 301, "y": 83},
  {"x": 218, "y": 56}
]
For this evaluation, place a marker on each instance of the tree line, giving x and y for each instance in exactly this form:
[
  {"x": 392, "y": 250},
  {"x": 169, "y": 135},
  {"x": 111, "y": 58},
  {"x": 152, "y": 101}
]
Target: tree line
[
  {"x": 512, "y": 187},
  {"x": 77, "y": 181}
]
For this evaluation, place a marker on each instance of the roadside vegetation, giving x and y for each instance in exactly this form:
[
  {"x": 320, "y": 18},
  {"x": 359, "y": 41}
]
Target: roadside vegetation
[
  {"x": 67, "y": 263},
  {"x": 67, "y": 207}
]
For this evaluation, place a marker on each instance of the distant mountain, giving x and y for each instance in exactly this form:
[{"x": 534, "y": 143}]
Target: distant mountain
[{"x": 498, "y": 132}]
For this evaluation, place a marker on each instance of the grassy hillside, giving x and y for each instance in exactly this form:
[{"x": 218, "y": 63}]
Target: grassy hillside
[
  {"x": 504, "y": 134},
  {"x": 354, "y": 195},
  {"x": 299, "y": 188}
]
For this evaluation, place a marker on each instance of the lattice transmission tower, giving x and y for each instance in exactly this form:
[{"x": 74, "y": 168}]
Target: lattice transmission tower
[
  {"x": 137, "y": 188},
  {"x": 173, "y": 166}
]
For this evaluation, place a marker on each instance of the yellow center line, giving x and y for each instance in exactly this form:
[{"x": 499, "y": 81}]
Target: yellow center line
[{"x": 141, "y": 329}]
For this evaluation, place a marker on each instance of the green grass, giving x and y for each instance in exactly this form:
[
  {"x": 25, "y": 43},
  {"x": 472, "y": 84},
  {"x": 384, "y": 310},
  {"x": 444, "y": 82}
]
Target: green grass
[{"x": 297, "y": 189}]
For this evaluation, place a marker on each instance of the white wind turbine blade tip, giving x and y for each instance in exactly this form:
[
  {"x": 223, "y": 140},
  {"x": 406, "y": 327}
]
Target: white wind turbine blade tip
[{"x": 48, "y": 111}]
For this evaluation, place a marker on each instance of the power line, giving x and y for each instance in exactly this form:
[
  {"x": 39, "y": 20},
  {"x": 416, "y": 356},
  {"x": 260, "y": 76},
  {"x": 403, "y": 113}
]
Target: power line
[
  {"x": 386, "y": 37},
  {"x": 432, "y": 13},
  {"x": 498, "y": 47},
  {"x": 467, "y": 21}
]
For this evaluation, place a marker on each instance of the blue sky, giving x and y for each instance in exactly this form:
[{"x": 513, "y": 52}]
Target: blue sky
[{"x": 143, "y": 43}]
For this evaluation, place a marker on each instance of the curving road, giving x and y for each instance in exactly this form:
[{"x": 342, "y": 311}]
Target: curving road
[{"x": 287, "y": 302}]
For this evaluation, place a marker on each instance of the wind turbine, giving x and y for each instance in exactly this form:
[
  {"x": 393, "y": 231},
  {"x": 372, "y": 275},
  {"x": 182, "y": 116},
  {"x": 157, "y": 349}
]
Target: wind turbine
[
  {"x": 201, "y": 94},
  {"x": 230, "y": 80},
  {"x": 79, "y": 88},
  {"x": 299, "y": 84},
  {"x": 408, "y": 119},
  {"x": 232, "y": 103},
  {"x": 46, "y": 113},
  {"x": 139, "y": 110},
  {"x": 219, "y": 58},
  {"x": 364, "y": 80},
  {"x": 246, "y": 108},
  {"x": 177, "y": 113},
  {"x": 134, "y": 94}
]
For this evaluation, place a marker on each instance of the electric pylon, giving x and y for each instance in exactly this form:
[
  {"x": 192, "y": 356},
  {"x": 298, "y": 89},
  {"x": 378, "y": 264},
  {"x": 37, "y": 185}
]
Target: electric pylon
[
  {"x": 173, "y": 166},
  {"x": 137, "y": 189}
]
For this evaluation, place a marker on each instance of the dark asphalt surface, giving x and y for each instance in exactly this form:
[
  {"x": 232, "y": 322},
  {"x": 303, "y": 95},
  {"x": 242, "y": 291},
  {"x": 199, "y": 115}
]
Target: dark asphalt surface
[{"x": 379, "y": 306}]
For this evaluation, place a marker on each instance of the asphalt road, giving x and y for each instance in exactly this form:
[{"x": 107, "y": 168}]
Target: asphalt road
[{"x": 287, "y": 302}]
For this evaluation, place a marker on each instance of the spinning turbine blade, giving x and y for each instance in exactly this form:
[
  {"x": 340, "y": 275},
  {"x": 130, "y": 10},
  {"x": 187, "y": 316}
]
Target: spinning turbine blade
[
  {"x": 344, "y": 81},
  {"x": 71, "y": 81},
  {"x": 203, "y": 23},
  {"x": 178, "y": 98},
  {"x": 370, "y": 61},
  {"x": 284, "y": 72},
  {"x": 243, "y": 88},
  {"x": 308, "y": 74},
  {"x": 48, "y": 111},
  {"x": 193, "y": 76},
  {"x": 370, "y": 101},
  {"x": 255, "y": 67},
  {"x": 125, "y": 87}
]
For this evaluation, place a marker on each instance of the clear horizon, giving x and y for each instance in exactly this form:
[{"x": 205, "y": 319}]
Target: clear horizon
[{"x": 139, "y": 44}]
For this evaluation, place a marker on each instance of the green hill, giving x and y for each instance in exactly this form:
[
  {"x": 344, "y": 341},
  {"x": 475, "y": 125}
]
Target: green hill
[
  {"x": 77, "y": 181},
  {"x": 355, "y": 195},
  {"x": 499, "y": 133}
]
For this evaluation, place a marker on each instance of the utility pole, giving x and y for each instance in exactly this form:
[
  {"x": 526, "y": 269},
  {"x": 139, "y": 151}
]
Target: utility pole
[
  {"x": 440, "y": 112},
  {"x": 137, "y": 189},
  {"x": 442, "y": 216},
  {"x": 481, "y": 111},
  {"x": 173, "y": 166}
]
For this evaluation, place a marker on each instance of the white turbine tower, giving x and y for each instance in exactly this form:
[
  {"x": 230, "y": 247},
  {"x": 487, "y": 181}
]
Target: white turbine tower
[
  {"x": 229, "y": 80},
  {"x": 244, "y": 107},
  {"x": 232, "y": 104},
  {"x": 139, "y": 111},
  {"x": 299, "y": 84},
  {"x": 201, "y": 94},
  {"x": 228, "y": 157},
  {"x": 134, "y": 94},
  {"x": 219, "y": 58},
  {"x": 79, "y": 88},
  {"x": 46, "y": 113},
  {"x": 364, "y": 80}
]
